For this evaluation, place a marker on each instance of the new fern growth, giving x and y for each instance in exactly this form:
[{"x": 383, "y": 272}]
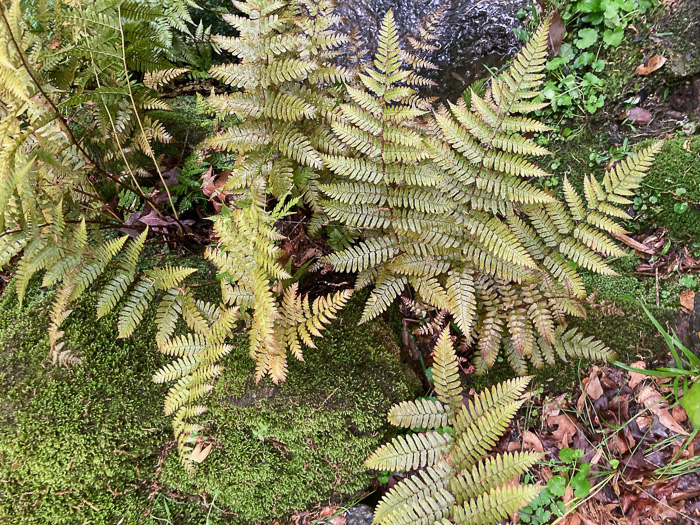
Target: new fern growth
[
  {"x": 287, "y": 99},
  {"x": 457, "y": 479},
  {"x": 446, "y": 204}
]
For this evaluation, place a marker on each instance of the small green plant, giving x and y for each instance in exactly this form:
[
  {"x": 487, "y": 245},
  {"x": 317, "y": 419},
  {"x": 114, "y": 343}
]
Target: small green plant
[
  {"x": 577, "y": 74},
  {"x": 188, "y": 191},
  {"x": 549, "y": 503},
  {"x": 457, "y": 478},
  {"x": 688, "y": 281},
  {"x": 684, "y": 374}
]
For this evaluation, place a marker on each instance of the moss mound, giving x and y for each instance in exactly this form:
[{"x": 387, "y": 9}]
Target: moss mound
[
  {"x": 675, "y": 180},
  {"x": 89, "y": 443}
]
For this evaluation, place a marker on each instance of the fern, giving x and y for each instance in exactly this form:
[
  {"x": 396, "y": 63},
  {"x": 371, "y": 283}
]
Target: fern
[
  {"x": 445, "y": 203},
  {"x": 436, "y": 199},
  {"x": 457, "y": 478}
]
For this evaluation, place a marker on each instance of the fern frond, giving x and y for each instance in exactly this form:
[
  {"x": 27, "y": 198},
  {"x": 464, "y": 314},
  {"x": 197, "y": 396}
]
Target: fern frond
[
  {"x": 462, "y": 299},
  {"x": 491, "y": 472},
  {"x": 495, "y": 506},
  {"x": 388, "y": 288},
  {"x": 479, "y": 437},
  {"x": 423, "y": 413},
  {"x": 136, "y": 305},
  {"x": 411, "y": 492},
  {"x": 410, "y": 452},
  {"x": 498, "y": 395},
  {"x": 448, "y": 387}
]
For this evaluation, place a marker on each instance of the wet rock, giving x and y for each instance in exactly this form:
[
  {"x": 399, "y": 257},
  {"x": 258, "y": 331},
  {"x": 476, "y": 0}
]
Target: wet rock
[
  {"x": 473, "y": 34},
  {"x": 359, "y": 515}
]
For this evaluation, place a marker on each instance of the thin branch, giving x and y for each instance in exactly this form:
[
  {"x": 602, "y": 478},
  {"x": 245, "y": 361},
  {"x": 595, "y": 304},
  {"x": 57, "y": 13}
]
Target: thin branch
[{"x": 138, "y": 118}]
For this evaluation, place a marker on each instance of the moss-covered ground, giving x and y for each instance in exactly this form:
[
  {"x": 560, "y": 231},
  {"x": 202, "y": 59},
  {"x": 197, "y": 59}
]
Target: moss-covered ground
[{"x": 89, "y": 443}]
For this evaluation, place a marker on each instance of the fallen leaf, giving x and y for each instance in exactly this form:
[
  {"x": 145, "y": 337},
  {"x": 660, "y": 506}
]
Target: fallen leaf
[
  {"x": 557, "y": 30},
  {"x": 572, "y": 519},
  {"x": 636, "y": 377},
  {"x": 652, "y": 400},
  {"x": 643, "y": 422},
  {"x": 458, "y": 77},
  {"x": 620, "y": 444},
  {"x": 652, "y": 65},
  {"x": 686, "y": 145},
  {"x": 553, "y": 407},
  {"x": 594, "y": 388},
  {"x": 568, "y": 495},
  {"x": 514, "y": 446},
  {"x": 152, "y": 219},
  {"x": 532, "y": 442},
  {"x": 639, "y": 116},
  {"x": 679, "y": 413},
  {"x": 565, "y": 429},
  {"x": 200, "y": 453},
  {"x": 581, "y": 403},
  {"x": 687, "y": 298}
]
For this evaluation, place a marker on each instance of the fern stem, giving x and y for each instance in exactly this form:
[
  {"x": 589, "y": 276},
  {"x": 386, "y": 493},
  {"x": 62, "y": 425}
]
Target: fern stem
[
  {"x": 114, "y": 131},
  {"x": 138, "y": 118}
]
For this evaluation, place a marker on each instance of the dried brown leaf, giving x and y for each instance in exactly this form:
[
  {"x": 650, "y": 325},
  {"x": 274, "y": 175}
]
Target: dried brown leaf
[
  {"x": 636, "y": 377},
  {"x": 687, "y": 298},
  {"x": 200, "y": 453},
  {"x": 652, "y": 65},
  {"x": 531, "y": 442},
  {"x": 653, "y": 400},
  {"x": 594, "y": 388}
]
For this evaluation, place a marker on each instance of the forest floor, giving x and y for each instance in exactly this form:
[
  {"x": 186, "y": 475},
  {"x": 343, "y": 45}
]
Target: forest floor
[{"x": 619, "y": 448}]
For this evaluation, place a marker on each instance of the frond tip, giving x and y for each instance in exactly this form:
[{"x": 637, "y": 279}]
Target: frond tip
[{"x": 458, "y": 477}]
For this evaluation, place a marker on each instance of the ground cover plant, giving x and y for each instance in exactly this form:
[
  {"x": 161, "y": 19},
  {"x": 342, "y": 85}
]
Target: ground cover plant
[{"x": 318, "y": 171}]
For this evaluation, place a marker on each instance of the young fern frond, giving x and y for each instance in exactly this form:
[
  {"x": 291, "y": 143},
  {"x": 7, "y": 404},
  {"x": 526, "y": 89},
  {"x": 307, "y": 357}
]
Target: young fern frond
[
  {"x": 446, "y": 373},
  {"x": 457, "y": 479}
]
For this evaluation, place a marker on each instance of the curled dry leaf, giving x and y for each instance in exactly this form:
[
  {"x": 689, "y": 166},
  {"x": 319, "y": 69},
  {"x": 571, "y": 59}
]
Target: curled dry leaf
[
  {"x": 652, "y": 65},
  {"x": 565, "y": 429},
  {"x": 200, "y": 453},
  {"x": 594, "y": 388},
  {"x": 531, "y": 442},
  {"x": 679, "y": 413},
  {"x": 656, "y": 404}
]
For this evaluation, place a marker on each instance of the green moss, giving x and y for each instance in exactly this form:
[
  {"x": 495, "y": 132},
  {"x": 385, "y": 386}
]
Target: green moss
[
  {"x": 68, "y": 436},
  {"x": 677, "y": 167},
  {"x": 629, "y": 286},
  {"x": 84, "y": 444},
  {"x": 290, "y": 446}
]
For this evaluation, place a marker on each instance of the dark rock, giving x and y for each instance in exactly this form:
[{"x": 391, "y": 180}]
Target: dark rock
[
  {"x": 472, "y": 34},
  {"x": 359, "y": 515},
  {"x": 684, "y": 43}
]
